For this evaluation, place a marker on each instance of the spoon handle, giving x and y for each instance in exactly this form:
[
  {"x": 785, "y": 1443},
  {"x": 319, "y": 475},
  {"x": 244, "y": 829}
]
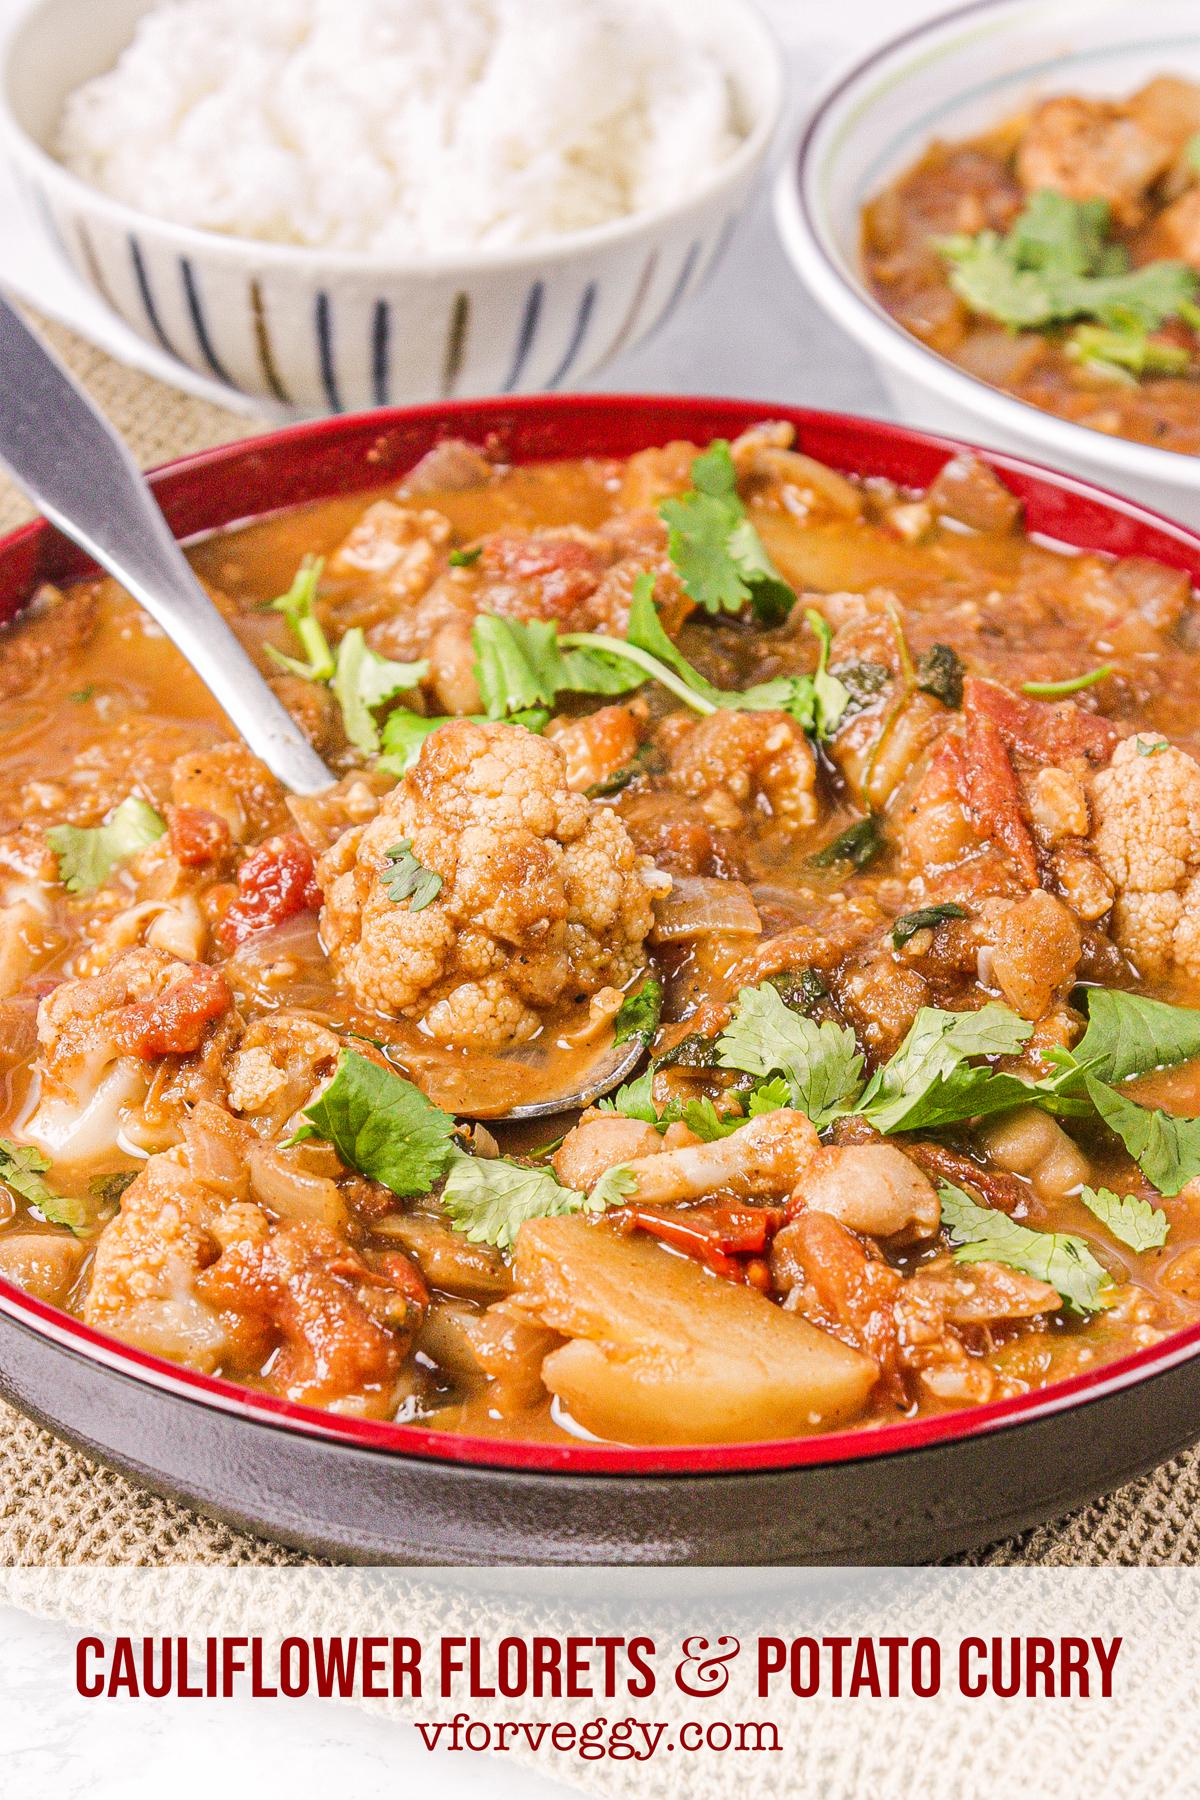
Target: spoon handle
[{"x": 76, "y": 470}]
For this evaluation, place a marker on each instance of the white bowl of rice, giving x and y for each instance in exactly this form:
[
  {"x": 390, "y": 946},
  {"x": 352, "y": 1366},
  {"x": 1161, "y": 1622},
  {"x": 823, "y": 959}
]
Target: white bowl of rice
[{"x": 338, "y": 204}]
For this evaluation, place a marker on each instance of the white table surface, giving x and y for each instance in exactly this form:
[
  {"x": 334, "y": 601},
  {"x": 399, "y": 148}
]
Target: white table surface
[{"x": 753, "y": 331}]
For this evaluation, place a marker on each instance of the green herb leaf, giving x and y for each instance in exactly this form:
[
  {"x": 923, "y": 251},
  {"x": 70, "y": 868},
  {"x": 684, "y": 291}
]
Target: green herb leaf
[
  {"x": 1165, "y": 1148},
  {"x": 924, "y": 919},
  {"x": 464, "y": 559},
  {"x": 634, "y": 1099},
  {"x": 1128, "y": 1034},
  {"x": 1057, "y": 690},
  {"x": 940, "y": 672},
  {"x": 1147, "y": 749},
  {"x": 381, "y": 1125},
  {"x": 362, "y": 680},
  {"x": 1131, "y": 1219},
  {"x": 1065, "y": 1263},
  {"x": 769, "y": 1096},
  {"x": 298, "y": 607},
  {"x": 645, "y": 761},
  {"x": 905, "y": 1093},
  {"x": 521, "y": 664},
  {"x": 639, "y": 1014},
  {"x": 22, "y": 1168},
  {"x": 858, "y": 845},
  {"x": 83, "y": 694},
  {"x": 695, "y": 1051},
  {"x": 821, "y": 1063},
  {"x": 721, "y": 559},
  {"x": 489, "y": 1199},
  {"x": 1055, "y": 265},
  {"x": 407, "y": 879},
  {"x": 87, "y": 856},
  {"x": 1125, "y": 355}
]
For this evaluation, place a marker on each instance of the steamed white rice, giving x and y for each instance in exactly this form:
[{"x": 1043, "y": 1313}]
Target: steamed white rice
[{"x": 404, "y": 127}]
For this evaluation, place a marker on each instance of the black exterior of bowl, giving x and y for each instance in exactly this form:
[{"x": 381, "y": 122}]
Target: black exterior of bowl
[{"x": 342, "y": 1501}]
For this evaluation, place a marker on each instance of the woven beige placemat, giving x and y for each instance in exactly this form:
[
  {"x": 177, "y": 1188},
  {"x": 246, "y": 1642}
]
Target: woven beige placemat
[{"x": 59, "y": 1507}]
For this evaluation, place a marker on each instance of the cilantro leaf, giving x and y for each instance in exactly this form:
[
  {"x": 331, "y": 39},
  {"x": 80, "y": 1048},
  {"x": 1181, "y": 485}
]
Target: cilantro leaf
[
  {"x": 1165, "y": 1148},
  {"x": 298, "y": 607},
  {"x": 858, "y": 845},
  {"x": 721, "y": 559},
  {"x": 87, "y": 856},
  {"x": 1055, "y": 264},
  {"x": 936, "y": 1046},
  {"x": 22, "y": 1169},
  {"x": 645, "y": 632},
  {"x": 639, "y": 1014},
  {"x": 633, "y": 1099},
  {"x": 822, "y": 1064},
  {"x": 523, "y": 664},
  {"x": 488, "y": 1199},
  {"x": 1125, "y": 354},
  {"x": 407, "y": 879},
  {"x": 769, "y": 1096},
  {"x": 381, "y": 1125},
  {"x": 924, "y": 919},
  {"x": 1131, "y": 1219},
  {"x": 1129, "y": 1035},
  {"x": 363, "y": 680},
  {"x": 465, "y": 559},
  {"x": 981, "y": 1234}
]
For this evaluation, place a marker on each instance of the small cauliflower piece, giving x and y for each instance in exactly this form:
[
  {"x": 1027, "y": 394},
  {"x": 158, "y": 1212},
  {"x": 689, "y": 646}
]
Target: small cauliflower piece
[
  {"x": 733, "y": 760},
  {"x": 872, "y": 1188},
  {"x": 277, "y": 1067},
  {"x": 543, "y": 899},
  {"x": 1146, "y": 836},
  {"x": 1092, "y": 150},
  {"x": 661, "y": 1352},
  {"x": 400, "y": 549},
  {"x": 97, "y": 1036},
  {"x": 197, "y": 1266}
]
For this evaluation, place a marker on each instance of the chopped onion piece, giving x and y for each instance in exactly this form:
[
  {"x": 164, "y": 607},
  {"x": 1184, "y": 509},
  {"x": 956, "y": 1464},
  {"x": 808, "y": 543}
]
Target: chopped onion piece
[{"x": 700, "y": 906}]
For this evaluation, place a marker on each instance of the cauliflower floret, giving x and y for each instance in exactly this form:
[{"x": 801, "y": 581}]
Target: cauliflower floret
[
  {"x": 1147, "y": 839},
  {"x": 542, "y": 899},
  {"x": 732, "y": 758},
  {"x": 277, "y": 1066},
  {"x": 198, "y": 1266},
  {"x": 1091, "y": 150},
  {"x": 400, "y": 548},
  {"x": 99, "y": 1034}
]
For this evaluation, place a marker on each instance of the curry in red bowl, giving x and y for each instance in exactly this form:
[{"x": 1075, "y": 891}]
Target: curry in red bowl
[{"x": 871, "y": 816}]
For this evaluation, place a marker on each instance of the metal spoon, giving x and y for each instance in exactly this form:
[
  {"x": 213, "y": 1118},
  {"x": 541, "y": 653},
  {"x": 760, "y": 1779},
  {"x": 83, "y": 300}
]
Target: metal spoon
[
  {"x": 76, "y": 470},
  {"x": 607, "y": 1072}
]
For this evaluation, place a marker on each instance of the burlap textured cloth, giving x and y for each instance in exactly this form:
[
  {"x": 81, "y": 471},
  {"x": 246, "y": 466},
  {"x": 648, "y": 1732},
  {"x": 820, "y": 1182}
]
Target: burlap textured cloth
[{"x": 59, "y": 1507}]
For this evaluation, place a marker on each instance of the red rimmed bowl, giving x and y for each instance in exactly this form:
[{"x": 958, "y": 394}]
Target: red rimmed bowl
[{"x": 380, "y": 1492}]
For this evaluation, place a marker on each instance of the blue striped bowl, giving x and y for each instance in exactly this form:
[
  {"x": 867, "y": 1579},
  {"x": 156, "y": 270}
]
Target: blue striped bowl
[{"x": 323, "y": 331}]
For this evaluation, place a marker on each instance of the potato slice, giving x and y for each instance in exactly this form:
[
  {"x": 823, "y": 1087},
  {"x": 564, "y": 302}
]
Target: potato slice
[{"x": 662, "y": 1352}]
